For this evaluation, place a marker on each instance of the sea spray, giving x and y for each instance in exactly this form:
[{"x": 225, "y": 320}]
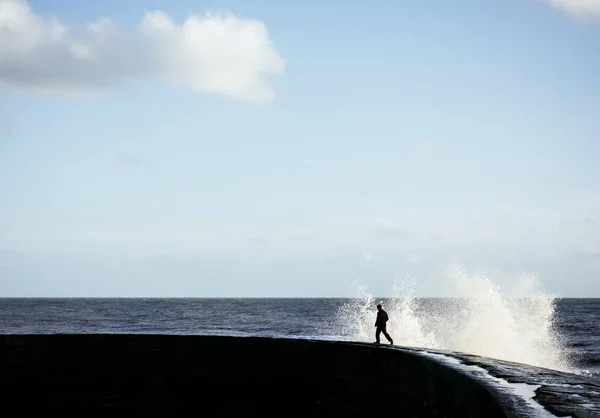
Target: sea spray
[
  {"x": 404, "y": 307},
  {"x": 354, "y": 317},
  {"x": 515, "y": 323}
]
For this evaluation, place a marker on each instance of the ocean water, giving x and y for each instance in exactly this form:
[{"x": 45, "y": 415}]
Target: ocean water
[{"x": 562, "y": 334}]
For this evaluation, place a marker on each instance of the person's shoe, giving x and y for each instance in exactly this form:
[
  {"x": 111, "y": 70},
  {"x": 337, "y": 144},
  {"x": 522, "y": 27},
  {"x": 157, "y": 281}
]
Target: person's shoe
[
  {"x": 392, "y": 342},
  {"x": 376, "y": 342}
]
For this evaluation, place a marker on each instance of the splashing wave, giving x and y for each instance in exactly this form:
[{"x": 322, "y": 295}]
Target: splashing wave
[{"x": 516, "y": 325}]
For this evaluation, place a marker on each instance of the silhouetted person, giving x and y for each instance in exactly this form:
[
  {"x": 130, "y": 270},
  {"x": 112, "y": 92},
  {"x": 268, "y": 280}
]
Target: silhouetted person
[{"x": 380, "y": 324}]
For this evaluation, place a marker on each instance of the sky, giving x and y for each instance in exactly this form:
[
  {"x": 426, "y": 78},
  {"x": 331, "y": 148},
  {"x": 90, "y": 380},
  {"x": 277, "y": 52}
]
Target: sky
[{"x": 287, "y": 149}]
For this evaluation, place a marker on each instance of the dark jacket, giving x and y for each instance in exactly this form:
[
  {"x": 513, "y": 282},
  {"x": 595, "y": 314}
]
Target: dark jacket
[{"x": 382, "y": 318}]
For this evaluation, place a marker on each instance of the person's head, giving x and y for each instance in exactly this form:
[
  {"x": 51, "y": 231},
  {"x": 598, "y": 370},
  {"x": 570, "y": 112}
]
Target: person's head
[{"x": 378, "y": 307}]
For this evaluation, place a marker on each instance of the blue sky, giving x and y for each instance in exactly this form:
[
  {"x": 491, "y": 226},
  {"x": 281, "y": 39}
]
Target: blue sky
[{"x": 286, "y": 149}]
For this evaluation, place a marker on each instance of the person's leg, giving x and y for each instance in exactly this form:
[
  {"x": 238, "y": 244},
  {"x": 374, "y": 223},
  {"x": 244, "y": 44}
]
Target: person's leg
[
  {"x": 377, "y": 335},
  {"x": 388, "y": 336}
]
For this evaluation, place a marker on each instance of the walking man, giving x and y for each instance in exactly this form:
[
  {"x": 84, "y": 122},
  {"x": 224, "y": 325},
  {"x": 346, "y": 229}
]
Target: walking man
[{"x": 380, "y": 324}]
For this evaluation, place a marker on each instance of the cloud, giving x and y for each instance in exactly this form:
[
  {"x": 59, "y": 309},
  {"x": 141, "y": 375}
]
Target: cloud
[
  {"x": 214, "y": 53},
  {"x": 367, "y": 257},
  {"x": 581, "y": 9}
]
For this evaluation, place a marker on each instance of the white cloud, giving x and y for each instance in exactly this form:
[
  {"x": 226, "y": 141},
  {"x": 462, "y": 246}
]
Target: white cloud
[
  {"x": 216, "y": 53},
  {"x": 367, "y": 257},
  {"x": 582, "y": 9}
]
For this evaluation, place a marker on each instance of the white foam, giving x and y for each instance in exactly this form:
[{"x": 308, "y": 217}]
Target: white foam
[{"x": 514, "y": 325}]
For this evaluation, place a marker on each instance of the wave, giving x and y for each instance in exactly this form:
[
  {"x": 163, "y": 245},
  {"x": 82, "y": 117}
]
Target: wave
[{"x": 516, "y": 325}]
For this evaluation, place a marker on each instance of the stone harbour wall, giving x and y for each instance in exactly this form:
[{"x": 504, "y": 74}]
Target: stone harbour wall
[{"x": 170, "y": 374}]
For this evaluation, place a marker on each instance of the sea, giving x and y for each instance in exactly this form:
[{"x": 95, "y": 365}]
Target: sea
[{"x": 560, "y": 334}]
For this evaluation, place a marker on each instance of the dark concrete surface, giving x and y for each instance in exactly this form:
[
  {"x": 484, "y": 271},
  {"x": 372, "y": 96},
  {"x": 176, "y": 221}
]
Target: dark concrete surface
[
  {"x": 175, "y": 374},
  {"x": 561, "y": 394}
]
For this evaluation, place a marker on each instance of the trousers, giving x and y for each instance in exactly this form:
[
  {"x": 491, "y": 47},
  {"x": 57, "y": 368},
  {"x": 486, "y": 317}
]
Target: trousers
[{"x": 384, "y": 331}]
